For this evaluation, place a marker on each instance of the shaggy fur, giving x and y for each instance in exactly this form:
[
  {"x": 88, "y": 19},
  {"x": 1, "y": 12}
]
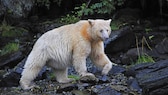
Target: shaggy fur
[{"x": 68, "y": 45}]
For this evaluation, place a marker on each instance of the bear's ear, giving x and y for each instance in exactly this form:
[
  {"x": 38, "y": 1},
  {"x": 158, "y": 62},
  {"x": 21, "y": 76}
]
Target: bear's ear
[
  {"x": 91, "y": 22},
  {"x": 109, "y": 21}
]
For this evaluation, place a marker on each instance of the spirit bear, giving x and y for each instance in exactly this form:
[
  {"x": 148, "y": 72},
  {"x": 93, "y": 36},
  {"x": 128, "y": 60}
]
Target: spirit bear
[{"x": 69, "y": 45}]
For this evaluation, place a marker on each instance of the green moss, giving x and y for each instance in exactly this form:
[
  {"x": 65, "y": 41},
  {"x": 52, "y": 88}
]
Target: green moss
[
  {"x": 144, "y": 59},
  {"x": 9, "y": 48},
  {"x": 11, "y": 31}
]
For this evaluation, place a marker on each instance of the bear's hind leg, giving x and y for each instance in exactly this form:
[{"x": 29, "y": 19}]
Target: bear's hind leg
[
  {"x": 32, "y": 67},
  {"x": 62, "y": 76},
  {"x": 26, "y": 79}
]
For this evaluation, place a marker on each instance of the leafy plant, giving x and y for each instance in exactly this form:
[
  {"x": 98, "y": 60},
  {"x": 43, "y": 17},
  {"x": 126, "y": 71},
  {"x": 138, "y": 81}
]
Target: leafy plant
[
  {"x": 11, "y": 31},
  {"x": 9, "y": 48},
  {"x": 143, "y": 57},
  {"x": 102, "y": 7},
  {"x": 74, "y": 77},
  {"x": 115, "y": 25},
  {"x": 69, "y": 19},
  {"x": 148, "y": 30}
]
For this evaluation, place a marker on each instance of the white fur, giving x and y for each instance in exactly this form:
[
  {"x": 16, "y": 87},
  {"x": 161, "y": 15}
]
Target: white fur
[{"x": 66, "y": 46}]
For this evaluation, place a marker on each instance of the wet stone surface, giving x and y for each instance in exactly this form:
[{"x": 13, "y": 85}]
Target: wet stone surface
[{"x": 106, "y": 85}]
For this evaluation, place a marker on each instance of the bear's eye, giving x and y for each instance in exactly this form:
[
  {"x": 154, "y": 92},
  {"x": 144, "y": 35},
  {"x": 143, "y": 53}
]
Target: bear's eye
[{"x": 101, "y": 30}]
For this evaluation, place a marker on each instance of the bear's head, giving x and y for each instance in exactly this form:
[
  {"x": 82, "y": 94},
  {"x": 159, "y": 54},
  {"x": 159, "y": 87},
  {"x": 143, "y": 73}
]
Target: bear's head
[{"x": 100, "y": 29}]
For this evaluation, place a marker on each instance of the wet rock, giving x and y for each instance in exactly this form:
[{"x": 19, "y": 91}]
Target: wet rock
[
  {"x": 160, "y": 50},
  {"x": 16, "y": 8},
  {"x": 120, "y": 88},
  {"x": 119, "y": 79},
  {"x": 82, "y": 86},
  {"x": 104, "y": 79},
  {"x": 10, "y": 60},
  {"x": 45, "y": 26},
  {"x": 133, "y": 85},
  {"x": 132, "y": 54},
  {"x": 66, "y": 87},
  {"x": 120, "y": 40},
  {"x": 89, "y": 79},
  {"x": 12, "y": 77},
  {"x": 117, "y": 69},
  {"x": 105, "y": 91},
  {"x": 152, "y": 77},
  {"x": 79, "y": 92}
]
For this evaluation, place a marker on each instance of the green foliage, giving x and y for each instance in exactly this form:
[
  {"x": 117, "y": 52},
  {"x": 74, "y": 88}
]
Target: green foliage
[
  {"x": 9, "y": 48},
  {"x": 102, "y": 7},
  {"x": 150, "y": 37},
  {"x": 11, "y": 31},
  {"x": 74, "y": 77},
  {"x": 148, "y": 30},
  {"x": 116, "y": 24},
  {"x": 69, "y": 19},
  {"x": 144, "y": 58},
  {"x": 83, "y": 10},
  {"x": 51, "y": 75}
]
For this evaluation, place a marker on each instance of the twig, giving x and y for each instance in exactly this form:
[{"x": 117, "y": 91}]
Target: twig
[{"x": 137, "y": 46}]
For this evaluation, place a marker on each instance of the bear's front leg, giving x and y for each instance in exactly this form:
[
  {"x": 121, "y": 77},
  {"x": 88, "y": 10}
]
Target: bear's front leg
[
  {"x": 79, "y": 63},
  {"x": 102, "y": 61},
  {"x": 62, "y": 76}
]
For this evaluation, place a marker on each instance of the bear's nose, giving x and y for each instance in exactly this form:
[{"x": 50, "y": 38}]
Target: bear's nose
[
  {"x": 105, "y": 38},
  {"x": 105, "y": 35}
]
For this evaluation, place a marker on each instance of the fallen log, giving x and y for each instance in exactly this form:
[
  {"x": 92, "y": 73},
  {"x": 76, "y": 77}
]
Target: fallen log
[{"x": 152, "y": 77}]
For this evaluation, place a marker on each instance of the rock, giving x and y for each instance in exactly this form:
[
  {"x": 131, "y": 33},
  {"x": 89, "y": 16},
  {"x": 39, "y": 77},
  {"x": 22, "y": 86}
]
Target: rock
[
  {"x": 158, "y": 52},
  {"x": 66, "y": 87},
  {"x": 132, "y": 54},
  {"x": 82, "y": 86},
  {"x": 16, "y": 8},
  {"x": 133, "y": 85},
  {"x": 10, "y": 60},
  {"x": 89, "y": 79},
  {"x": 104, "y": 79},
  {"x": 120, "y": 40},
  {"x": 12, "y": 77},
  {"x": 153, "y": 77},
  {"x": 105, "y": 91},
  {"x": 116, "y": 70},
  {"x": 79, "y": 92},
  {"x": 161, "y": 49},
  {"x": 45, "y": 26}
]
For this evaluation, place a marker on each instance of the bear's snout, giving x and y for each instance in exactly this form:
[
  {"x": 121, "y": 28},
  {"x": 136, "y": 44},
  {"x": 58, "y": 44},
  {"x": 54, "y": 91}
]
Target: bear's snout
[{"x": 105, "y": 35}]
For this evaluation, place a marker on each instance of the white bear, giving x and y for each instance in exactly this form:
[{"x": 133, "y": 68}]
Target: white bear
[{"x": 69, "y": 45}]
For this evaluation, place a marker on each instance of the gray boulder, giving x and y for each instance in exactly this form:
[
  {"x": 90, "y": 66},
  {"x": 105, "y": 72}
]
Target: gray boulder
[{"x": 16, "y": 8}]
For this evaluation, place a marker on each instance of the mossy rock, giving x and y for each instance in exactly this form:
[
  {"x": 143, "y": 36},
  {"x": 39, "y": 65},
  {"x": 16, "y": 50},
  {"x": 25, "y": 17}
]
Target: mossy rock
[
  {"x": 9, "y": 48},
  {"x": 11, "y": 31}
]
